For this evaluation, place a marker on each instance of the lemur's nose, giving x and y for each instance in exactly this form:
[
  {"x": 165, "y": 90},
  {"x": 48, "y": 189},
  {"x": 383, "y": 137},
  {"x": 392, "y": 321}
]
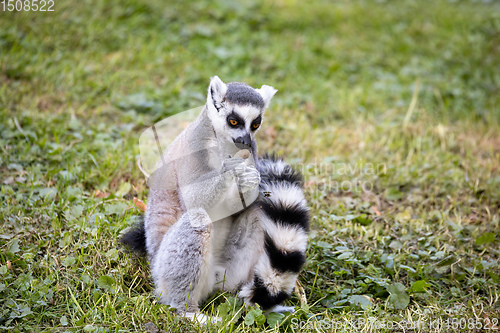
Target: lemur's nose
[{"x": 245, "y": 140}]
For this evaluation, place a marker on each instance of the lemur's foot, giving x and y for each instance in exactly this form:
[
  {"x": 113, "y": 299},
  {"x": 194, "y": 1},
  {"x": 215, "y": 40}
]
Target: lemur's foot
[
  {"x": 281, "y": 309},
  {"x": 201, "y": 318}
]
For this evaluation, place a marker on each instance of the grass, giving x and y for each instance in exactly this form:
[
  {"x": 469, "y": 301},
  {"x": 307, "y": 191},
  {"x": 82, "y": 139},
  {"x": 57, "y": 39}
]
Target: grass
[{"x": 390, "y": 109}]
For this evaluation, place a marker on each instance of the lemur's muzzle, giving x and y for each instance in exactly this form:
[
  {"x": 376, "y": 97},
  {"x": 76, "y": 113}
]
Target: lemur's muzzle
[{"x": 243, "y": 142}]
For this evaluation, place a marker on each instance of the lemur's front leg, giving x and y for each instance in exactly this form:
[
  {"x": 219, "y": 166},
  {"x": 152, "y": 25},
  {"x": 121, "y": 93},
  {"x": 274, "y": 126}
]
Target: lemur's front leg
[{"x": 206, "y": 190}]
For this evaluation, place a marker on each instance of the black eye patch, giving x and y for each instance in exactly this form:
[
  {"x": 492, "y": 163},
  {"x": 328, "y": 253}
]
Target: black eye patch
[
  {"x": 256, "y": 123},
  {"x": 235, "y": 121}
]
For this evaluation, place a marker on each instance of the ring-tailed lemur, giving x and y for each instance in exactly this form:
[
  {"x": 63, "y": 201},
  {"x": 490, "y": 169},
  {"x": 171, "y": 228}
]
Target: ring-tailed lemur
[{"x": 258, "y": 249}]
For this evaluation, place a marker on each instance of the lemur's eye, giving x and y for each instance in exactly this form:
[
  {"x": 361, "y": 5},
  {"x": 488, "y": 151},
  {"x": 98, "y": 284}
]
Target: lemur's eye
[
  {"x": 255, "y": 126},
  {"x": 233, "y": 122}
]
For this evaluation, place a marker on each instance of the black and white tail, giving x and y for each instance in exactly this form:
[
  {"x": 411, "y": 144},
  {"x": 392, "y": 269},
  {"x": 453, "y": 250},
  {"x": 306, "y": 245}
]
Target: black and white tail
[
  {"x": 284, "y": 217},
  {"x": 135, "y": 238}
]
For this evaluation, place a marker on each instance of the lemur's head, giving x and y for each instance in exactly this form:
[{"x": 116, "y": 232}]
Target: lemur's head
[{"x": 236, "y": 110}]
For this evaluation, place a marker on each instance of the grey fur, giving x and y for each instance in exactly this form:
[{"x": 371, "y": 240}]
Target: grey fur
[
  {"x": 182, "y": 247},
  {"x": 166, "y": 204},
  {"x": 242, "y": 94}
]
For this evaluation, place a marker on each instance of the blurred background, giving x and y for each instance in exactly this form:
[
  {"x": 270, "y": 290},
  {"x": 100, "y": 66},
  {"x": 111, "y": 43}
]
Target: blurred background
[{"x": 344, "y": 57}]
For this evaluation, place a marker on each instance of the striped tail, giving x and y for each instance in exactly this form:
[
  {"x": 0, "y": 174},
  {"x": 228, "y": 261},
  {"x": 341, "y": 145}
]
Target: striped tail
[
  {"x": 284, "y": 217},
  {"x": 135, "y": 238}
]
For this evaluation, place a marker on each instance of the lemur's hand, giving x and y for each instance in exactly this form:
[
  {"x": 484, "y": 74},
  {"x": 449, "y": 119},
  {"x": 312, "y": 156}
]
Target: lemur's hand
[
  {"x": 230, "y": 164},
  {"x": 248, "y": 177}
]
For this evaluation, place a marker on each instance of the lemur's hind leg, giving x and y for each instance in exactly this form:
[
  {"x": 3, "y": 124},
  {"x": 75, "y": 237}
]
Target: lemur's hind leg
[
  {"x": 182, "y": 267},
  {"x": 242, "y": 250}
]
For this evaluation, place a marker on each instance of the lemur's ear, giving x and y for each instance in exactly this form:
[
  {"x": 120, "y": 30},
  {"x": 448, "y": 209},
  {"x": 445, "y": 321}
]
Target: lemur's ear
[
  {"x": 267, "y": 93},
  {"x": 216, "y": 92}
]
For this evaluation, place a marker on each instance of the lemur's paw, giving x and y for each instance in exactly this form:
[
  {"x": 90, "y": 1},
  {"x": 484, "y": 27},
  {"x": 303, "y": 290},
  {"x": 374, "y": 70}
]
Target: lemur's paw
[
  {"x": 201, "y": 318},
  {"x": 246, "y": 294},
  {"x": 248, "y": 177},
  {"x": 230, "y": 164}
]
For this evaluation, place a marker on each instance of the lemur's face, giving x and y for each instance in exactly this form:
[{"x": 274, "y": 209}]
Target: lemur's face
[
  {"x": 242, "y": 122},
  {"x": 236, "y": 110}
]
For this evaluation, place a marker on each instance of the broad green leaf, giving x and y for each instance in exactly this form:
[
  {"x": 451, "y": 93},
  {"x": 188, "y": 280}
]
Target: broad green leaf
[
  {"x": 345, "y": 255},
  {"x": 350, "y": 217},
  {"x": 494, "y": 277},
  {"x": 48, "y": 193},
  {"x": 396, "y": 245},
  {"x": 68, "y": 261},
  {"x": 361, "y": 300},
  {"x": 231, "y": 309},
  {"x": 96, "y": 218},
  {"x": 255, "y": 316},
  {"x": 14, "y": 247},
  {"x": 224, "y": 309},
  {"x": 249, "y": 318},
  {"x": 75, "y": 212},
  {"x": 260, "y": 319},
  {"x": 123, "y": 189},
  {"x": 28, "y": 256},
  {"x": 420, "y": 286},
  {"x": 86, "y": 278},
  {"x": 21, "y": 312},
  {"x": 115, "y": 208},
  {"x": 112, "y": 254},
  {"x": 106, "y": 282},
  {"x": 273, "y": 318},
  {"x": 74, "y": 124},
  {"x": 324, "y": 245},
  {"x": 89, "y": 328},
  {"x": 363, "y": 220},
  {"x": 74, "y": 192},
  {"x": 393, "y": 193},
  {"x": 399, "y": 298},
  {"x": 485, "y": 238}
]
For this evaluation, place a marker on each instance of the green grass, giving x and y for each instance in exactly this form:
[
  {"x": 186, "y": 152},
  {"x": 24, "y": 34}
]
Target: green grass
[{"x": 402, "y": 98}]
